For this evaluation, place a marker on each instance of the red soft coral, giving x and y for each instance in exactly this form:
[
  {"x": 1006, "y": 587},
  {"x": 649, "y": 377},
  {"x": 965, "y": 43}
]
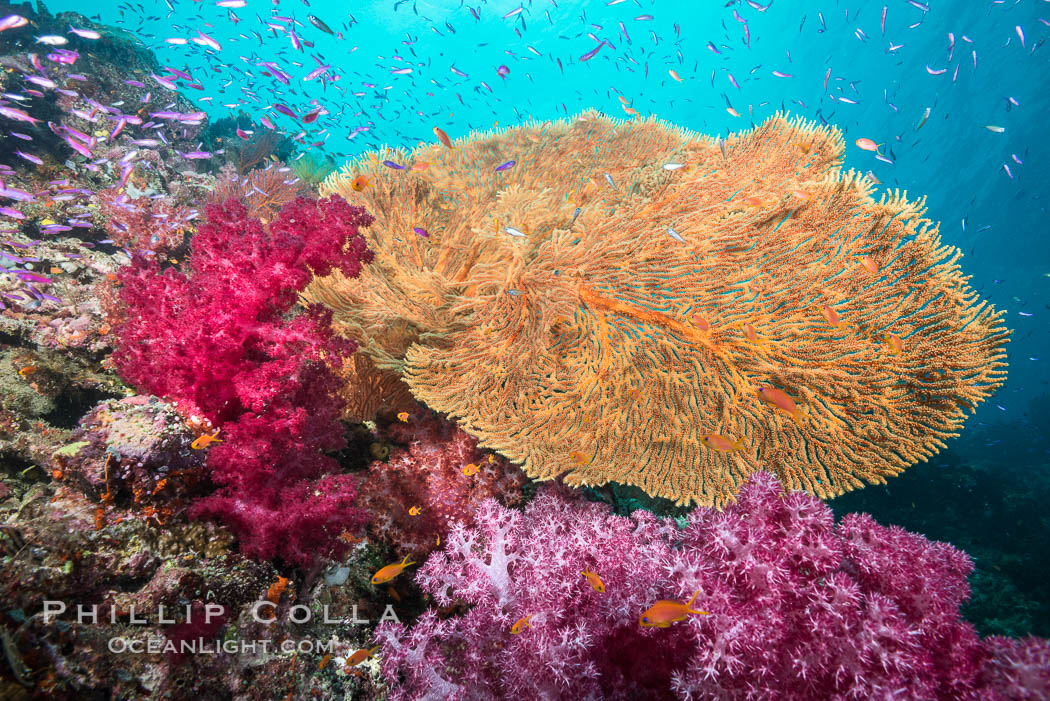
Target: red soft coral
[
  {"x": 799, "y": 608},
  {"x": 221, "y": 340},
  {"x": 428, "y": 474}
]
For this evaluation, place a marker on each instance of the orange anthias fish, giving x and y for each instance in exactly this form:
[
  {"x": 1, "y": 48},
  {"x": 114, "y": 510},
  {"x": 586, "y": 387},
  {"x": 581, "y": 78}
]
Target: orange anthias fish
[
  {"x": 700, "y": 323},
  {"x": 722, "y": 444},
  {"x": 750, "y": 333},
  {"x": 471, "y": 469},
  {"x": 663, "y": 613},
  {"x": 414, "y": 511},
  {"x": 781, "y": 400},
  {"x": 422, "y": 165},
  {"x": 359, "y": 183},
  {"x": 869, "y": 264},
  {"x": 390, "y": 571},
  {"x": 894, "y": 342},
  {"x": 204, "y": 441},
  {"x": 520, "y": 625},
  {"x": 579, "y": 458},
  {"x": 830, "y": 315},
  {"x": 868, "y": 145},
  {"x": 596, "y": 582},
  {"x": 403, "y": 416},
  {"x": 360, "y": 656},
  {"x": 443, "y": 137}
]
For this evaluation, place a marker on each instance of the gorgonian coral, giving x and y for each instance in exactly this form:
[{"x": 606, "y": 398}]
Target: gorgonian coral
[
  {"x": 221, "y": 341},
  {"x": 262, "y": 190},
  {"x": 637, "y": 303},
  {"x": 798, "y": 608},
  {"x": 425, "y": 486}
]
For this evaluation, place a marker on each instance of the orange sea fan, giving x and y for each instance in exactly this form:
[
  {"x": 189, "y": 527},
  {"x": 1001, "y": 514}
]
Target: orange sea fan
[{"x": 674, "y": 328}]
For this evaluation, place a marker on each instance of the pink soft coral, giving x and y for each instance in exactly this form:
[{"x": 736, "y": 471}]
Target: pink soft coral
[
  {"x": 428, "y": 473},
  {"x": 799, "y": 609},
  {"x": 221, "y": 340}
]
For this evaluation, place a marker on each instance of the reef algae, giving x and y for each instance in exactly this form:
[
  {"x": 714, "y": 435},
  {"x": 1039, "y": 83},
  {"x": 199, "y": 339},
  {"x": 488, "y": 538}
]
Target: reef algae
[{"x": 637, "y": 303}]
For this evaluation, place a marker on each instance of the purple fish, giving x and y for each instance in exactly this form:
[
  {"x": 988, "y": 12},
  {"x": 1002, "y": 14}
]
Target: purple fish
[
  {"x": 317, "y": 72},
  {"x": 12, "y": 22},
  {"x": 31, "y": 277},
  {"x": 285, "y": 110},
  {"x": 77, "y": 146},
  {"x": 505, "y": 166},
  {"x": 30, "y": 157},
  {"x": 63, "y": 56},
  {"x": 164, "y": 82},
  {"x": 13, "y": 213},
  {"x": 134, "y": 83},
  {"x": 41, "y": 81},
  {"x": 395, "y": 166},
  {"x": 421, "y": 231},
  {"x": 591, "y": 54},
  {"x": 502, "y": 71},
  {"x": 14, "y": 194},
  {"x": 197, "y": 155},
  {"x": 17, "y": 115}
]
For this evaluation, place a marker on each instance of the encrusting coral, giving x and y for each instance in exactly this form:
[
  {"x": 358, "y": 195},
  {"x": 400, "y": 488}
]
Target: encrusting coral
[{"x": 637, "y": 303}]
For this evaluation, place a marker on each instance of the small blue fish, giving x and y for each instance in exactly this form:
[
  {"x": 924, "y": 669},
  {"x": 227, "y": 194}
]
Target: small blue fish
[
  {"x": 504, "y": 166},
  {"x": 513, "y": 232},
  {"x": 395, "y": 166},
  {"x": 609, "y": 179},
  {"x": 574, "y": 215},
  {"x": 675, "y": 235}
]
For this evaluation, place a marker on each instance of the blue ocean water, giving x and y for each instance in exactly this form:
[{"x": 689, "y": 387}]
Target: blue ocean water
[{"x": 400, "y": 68}]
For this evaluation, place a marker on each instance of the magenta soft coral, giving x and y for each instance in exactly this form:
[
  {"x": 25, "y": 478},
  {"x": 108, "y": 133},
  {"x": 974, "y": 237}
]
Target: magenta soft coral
[
  {"x": 222, "y": 341},
  {"x": 428, "y": 473},
  {"x": 799, "y": 609}
]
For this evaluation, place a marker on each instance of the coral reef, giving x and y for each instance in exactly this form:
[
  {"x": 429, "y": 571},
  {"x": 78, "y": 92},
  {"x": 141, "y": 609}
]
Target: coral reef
[
  {"x": 415, "y": 495},
  {"x": 747, "y": 307},
  {"x": 65, "y": 553},
  {"x": 792, "y": 606},
  {"x": 218, "y": 340}
]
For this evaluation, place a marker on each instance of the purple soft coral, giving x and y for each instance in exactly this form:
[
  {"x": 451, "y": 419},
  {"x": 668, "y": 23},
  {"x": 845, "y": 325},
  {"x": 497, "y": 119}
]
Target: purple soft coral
[
  {"x": 800, "y": 609},
  {"x": 220, "y": 341}
]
